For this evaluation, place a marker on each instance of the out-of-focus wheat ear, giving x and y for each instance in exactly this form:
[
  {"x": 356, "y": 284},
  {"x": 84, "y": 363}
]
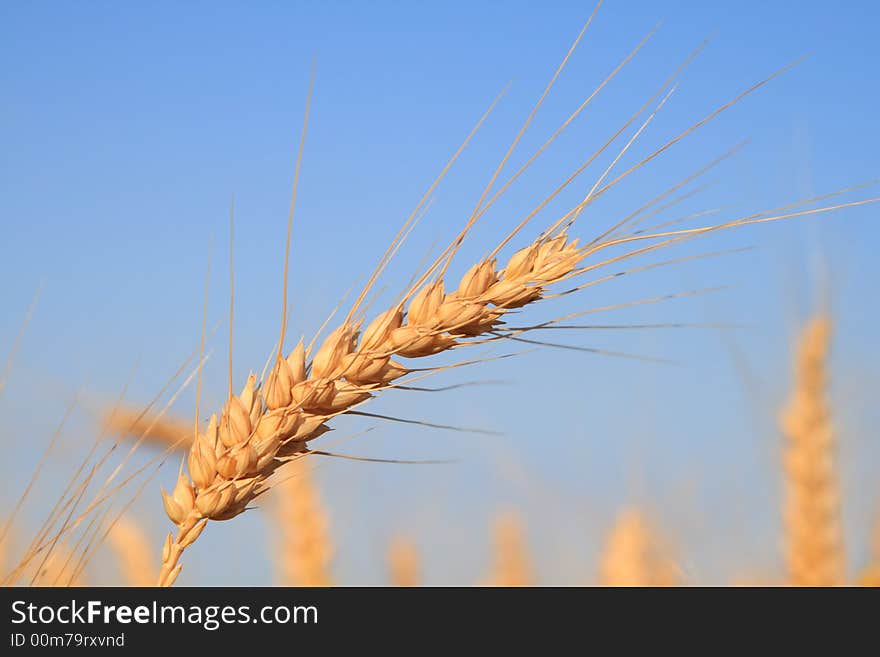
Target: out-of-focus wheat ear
[
  {"x": 133, "y": 552},
  {"x": 304, "y": 551},
  {"x": 813, "y": 541},
  {"x": 404, "y": 566},
  {"x": 752, "y": 580},
  {"x": 871, "y": 575},
  {"x": 511, "y": 562},
  {"x": 164, "y": 431},
  {"x": 633, "y": 555}
]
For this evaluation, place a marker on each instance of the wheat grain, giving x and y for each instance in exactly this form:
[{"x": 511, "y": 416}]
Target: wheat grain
[
  {"x": 814, "y": 544},
  {"x": 404, "y": 567},
  {"x": 133, "y": 552}
]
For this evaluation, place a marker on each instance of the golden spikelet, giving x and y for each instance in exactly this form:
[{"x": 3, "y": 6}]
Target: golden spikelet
[
  {"x": 633, "y": 556},
  {"x": 305, "y": 549},
  {"x": 814, "y": 544},
  {"x": 403, "y": 563},
  {"x": 512, "y": 566},
  {"x": 133, "y": 552}
]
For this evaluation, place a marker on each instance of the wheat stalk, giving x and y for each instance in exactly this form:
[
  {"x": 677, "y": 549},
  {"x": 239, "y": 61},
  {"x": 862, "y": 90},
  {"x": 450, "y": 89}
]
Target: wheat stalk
[
  {"x": 305, "y": 549},
  {"x": 814, "y": 544},
  {"x": 133, "y": 552},
  {"x": 511, "y": 563},
  {"x": 265, "y": 426},
  {"x": 404, "y": 567},
  {"x": 633, "y": 556}
]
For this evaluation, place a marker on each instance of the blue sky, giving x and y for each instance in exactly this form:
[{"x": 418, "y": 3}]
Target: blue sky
[{"x": 126, "y": 128}]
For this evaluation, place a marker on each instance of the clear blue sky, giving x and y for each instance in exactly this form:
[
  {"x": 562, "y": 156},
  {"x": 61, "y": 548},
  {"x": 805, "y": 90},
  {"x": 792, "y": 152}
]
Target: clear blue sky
[{"x": 125, "y": 128}]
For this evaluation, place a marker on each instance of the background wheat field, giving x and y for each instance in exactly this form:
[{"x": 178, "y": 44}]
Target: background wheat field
[{"x": 126, "y": 130}]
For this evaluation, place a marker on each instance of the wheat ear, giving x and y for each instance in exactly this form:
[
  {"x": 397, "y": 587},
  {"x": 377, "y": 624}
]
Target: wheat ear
[
  {"x": 404, "y": 567},
  {"x": 133, "y": 552},
  {"x": 305, "y": 549},
  {"x": 814, "y": 545},
  {"x": 271, "y": 421},
  {"x": 267, "y": 425},
  {"x": 633, "y": 556}
]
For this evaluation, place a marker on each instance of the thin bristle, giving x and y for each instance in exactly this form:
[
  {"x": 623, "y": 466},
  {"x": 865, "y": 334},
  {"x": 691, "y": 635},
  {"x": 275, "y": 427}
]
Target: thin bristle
[
  {"x": 202, "y": 339},
  {"x": 814, "y": 543},
  {"x": 299, "y": 154},
  {"x": 16, "y": 344},
  {"x": 57, "y": 570},
  {"x": 231, "y": 288},
  {"x": 453, "y": 248}
]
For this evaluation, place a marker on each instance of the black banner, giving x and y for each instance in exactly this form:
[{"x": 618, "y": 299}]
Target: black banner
[{"x": 262, "y": 619}]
